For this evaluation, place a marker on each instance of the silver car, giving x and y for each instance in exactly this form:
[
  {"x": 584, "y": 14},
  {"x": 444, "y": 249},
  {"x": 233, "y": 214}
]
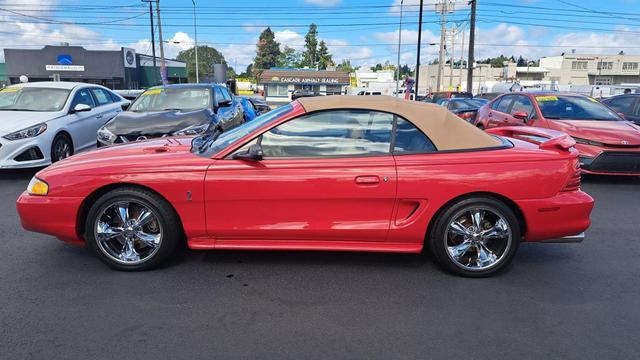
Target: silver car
[{"x": 43, "y": 122}]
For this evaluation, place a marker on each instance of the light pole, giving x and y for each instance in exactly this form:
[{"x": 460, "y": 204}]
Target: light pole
[
  {"x": 399, "y": 44},
  {"x": 195, "y": 32}
]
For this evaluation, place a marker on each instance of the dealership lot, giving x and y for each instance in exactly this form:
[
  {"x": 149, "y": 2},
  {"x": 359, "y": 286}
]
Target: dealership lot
[{"x": 555, "y": 301}]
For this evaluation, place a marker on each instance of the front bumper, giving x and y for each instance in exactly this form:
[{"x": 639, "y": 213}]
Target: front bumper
[
  {"x": 565, "y": 214},
  {"x": 609, "y": 160},
  {"x": 12, "y": 149},
  {"x": 55, "y": 216}
]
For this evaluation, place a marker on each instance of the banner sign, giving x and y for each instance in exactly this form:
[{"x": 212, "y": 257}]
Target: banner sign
[{"x": 64, "y": 67}]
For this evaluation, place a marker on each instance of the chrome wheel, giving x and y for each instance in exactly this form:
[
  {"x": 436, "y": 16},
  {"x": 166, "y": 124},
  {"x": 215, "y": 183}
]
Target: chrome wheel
[
  {"x": 61, "y": 149},
  {"x": 478, "y": 238},
  {"x": 128, "y": 232}
]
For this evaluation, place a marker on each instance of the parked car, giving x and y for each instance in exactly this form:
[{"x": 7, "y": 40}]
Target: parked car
[
  {"x": 129, "y": 94},
  {"x": 260, "y": 105},
  {"x": 296, "y": 94},
  {"x": 607, "y": 143},
  {"x": 465, "y": 108},
  {"x": 43, "y": 122},
  {"x": 435, "y": 96},
  {"x": 351, "y": 173},
  {"x": 184, "y": 109},
  {"x": 628, "y": 106},
  {"x": 368, "y": 93}
]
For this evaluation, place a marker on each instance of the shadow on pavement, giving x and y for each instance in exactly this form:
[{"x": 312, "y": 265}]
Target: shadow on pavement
[
  {"x": 18, "y": 174},
  {"x": 610, "y": 179}
]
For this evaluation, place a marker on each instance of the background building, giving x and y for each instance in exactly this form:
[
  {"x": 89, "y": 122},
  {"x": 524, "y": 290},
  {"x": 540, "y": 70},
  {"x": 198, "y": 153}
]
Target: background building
[
  {"x": 115, "y": 69},
  {"x": 593, "y": 69},
  {"x": 279, "y": 83}
]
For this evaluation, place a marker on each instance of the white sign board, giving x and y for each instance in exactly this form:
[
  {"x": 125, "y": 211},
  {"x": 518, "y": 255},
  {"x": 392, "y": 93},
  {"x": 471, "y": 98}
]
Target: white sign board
[{"x": 64, "y": 67}]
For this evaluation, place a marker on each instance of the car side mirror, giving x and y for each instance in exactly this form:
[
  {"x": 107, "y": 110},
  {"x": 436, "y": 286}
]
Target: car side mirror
[
  {"x": 253, "y": 153},
  {"x": 521, "y": 115},
  {"x": 80, "y": 108},
  {"x": 224, "y": 103}
]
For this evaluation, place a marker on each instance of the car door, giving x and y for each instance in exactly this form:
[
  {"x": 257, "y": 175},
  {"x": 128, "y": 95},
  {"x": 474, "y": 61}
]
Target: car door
[
  {"x": 326, "y": 176},
  {"x": 625, "y": 105},
  {"x": 82, "y": 125},
  {"x": 499, "y": 111},
  {"x": 237, "y": 114},
  {"x": 108, "y": 109},
  {"x": 521, "y": 104},
  {"x": 223, "y": 110}
]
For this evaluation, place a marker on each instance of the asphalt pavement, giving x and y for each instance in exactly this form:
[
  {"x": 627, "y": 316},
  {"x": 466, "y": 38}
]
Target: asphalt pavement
[{"x": 557, "y": 301}]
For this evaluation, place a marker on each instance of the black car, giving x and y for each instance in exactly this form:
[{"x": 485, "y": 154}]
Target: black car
[
  {"x": 465, "y": 108},
  {"x": 172, "y": 110},
  {"x": 627, "y": 105}
]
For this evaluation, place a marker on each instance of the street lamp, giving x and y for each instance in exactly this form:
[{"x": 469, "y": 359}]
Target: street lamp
[
  {"x": 195, "y": 32},
  {"x": 399, "y": 44}
]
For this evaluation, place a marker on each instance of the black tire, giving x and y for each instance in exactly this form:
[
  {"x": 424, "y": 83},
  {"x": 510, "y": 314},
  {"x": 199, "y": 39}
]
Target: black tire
[
  {"x": 61, "y": 147},
  {"x": 169, "y": 226},
  {"x": 437, "y": 239}
]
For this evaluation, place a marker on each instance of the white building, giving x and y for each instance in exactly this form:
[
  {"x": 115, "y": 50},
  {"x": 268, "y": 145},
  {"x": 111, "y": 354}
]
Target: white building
[{"x": 593, "y": 69}]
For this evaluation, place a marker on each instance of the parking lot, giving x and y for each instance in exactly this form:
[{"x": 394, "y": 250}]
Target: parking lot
[{"x": 565, "y": 301}]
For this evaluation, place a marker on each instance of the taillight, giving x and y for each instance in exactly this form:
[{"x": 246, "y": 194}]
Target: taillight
[
  {"x": 573, "y": 184},
  {"x": 466, "y": 116}
]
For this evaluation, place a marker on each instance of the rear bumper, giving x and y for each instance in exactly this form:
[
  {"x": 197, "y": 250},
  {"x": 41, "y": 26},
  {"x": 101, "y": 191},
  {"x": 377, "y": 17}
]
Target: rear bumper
[
  {"x": 567, "y": 239},
  {"x": 551, "y": 219},
  {"x": 55, "y": 216}
]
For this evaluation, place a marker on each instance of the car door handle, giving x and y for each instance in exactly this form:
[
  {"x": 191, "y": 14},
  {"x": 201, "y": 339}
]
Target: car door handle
[
  {"x": 99, "y": 117},
  {"x": 367, "y": 180}
]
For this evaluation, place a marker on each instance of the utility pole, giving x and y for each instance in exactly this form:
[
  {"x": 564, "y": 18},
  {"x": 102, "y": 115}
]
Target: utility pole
[
  {"x": 453, "y": 52},
  {"x": 418, "y": 52},
  {"x": 472, "y": 39},
  {"x": 399, "y": 44},
  {"x": 195, "y": 32},
  {"x": 442, "y": 7},
  {"x": 461, "y": 62},
  {"x": 163, "y": 66},
  {"x": 153, "y": 42}
]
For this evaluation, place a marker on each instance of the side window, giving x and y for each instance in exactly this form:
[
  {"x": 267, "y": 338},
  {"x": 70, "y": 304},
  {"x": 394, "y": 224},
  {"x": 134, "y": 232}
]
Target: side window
[
  {"x": 115, "y": 97},
  {"x": 102, "y": 96},
  {"x": 523, "y": 104},
  {"x": 622, "y": 104},
  {"x": 82, "y": 96},
  {"x": 503, "y": 104},
  {"x": 218, "y": 94},
  {"x": 409, "y": 139},
  {"x": 226, "y": 93},
  {"x": 331, "y": 134}
]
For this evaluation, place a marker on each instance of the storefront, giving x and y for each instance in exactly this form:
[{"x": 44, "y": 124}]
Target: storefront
[
  {"x": 115, "y": 69},
  {"x": 280, "y": 83}
]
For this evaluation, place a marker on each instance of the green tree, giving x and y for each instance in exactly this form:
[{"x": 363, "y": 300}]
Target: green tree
[
  {"x": 267, "y": 52},
  {"x": 345, "y": 65},
  {"x": 248, "y": 73},
  {"x": 207, "y": 56},
  {"x": 289, "y": 57},
  {"x": 310, "y": 55},
  {"x": 324, "y": 58}
]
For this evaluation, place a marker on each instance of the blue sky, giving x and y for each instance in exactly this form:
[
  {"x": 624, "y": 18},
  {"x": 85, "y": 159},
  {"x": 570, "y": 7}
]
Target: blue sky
[{"x": 365, "y": 31}]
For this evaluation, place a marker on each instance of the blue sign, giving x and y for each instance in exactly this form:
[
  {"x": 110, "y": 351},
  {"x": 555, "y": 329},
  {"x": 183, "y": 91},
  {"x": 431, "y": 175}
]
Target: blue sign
[{"x": 65, "y": 59}]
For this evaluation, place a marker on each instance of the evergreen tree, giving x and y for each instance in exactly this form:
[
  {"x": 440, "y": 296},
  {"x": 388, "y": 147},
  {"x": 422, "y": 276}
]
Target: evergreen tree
[
  {"x": 267, "y": 52},
  {"x": 345, "y": 65},
  {"x": 207, "y": 56},
  {"x": 324, "y": 58},
  {"x": 289, "y": 57},
  {"x": 310, "y": 55}
]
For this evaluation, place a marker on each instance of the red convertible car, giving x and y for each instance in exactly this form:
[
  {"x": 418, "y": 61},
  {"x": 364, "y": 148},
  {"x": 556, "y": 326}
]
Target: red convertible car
[
  {"x": 607, "y": 143},
  {"x": 353, "y": 173}
]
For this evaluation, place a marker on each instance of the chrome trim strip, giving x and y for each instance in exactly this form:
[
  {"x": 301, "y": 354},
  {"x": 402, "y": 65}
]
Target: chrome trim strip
[{"x": 567, "y": 239}]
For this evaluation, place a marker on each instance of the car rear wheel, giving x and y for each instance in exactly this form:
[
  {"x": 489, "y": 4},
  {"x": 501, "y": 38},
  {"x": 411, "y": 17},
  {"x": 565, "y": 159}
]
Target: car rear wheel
[
  {"x": 475, "y": 237},
  {"x": 132, "y": 229},
  {"x": 61, "y": 148}
]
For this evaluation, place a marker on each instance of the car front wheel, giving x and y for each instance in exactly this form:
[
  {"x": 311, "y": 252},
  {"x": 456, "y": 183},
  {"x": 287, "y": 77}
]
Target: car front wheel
[
  {"x": 132, "y": 229},
  {"x": 61, "y": 148},
  {"x": 475, "y": 237}
]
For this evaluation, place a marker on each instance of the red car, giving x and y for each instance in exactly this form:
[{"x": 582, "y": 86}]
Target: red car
[
  {"x": 352, "y": 173},
  {"x": 608, "y": 144}
]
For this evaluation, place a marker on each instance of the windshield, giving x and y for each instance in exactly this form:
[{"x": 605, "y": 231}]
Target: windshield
[
  {"x": 466, "y": 103},
  {"x": 229, "y": 137},
  {"x": 32, "y": 99},
  {"x": 558, "y": 107},
  {"x": 183, "y": 99}
]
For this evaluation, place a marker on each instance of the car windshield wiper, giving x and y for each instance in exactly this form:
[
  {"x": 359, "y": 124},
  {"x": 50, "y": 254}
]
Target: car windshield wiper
[
  {"x": 174, "y": 109},
  {"x": 18, "y": 110},
  {"x": 206, "y": 140}
]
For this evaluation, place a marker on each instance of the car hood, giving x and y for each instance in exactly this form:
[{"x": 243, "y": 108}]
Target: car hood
[
  {"x": 607, "y": 132},
  {"x": 11, "y": 121},
  {"x": 157, "y": 122},
  {"x": 162, "y": 154}
]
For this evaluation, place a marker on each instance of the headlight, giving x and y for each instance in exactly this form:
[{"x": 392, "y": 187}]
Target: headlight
[
  {"x": 192, "y": 130},
  {"x": 106, "y": 136},
  {"x": 587, "y": 142},
  {"x": 27, "y": 133},
  {"x": 37, "y": 187}
]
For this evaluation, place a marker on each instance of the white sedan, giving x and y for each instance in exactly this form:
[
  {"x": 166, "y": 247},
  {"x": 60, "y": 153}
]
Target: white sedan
[{"x": 43, "y": 122}]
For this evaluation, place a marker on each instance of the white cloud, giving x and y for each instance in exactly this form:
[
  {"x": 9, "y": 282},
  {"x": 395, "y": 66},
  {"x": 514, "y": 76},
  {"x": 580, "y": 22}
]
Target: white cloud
[{"x": 290, "y": 38}]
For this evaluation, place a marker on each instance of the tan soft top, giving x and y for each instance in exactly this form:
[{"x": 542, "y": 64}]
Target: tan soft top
[{"x": 447, "y": 131}]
